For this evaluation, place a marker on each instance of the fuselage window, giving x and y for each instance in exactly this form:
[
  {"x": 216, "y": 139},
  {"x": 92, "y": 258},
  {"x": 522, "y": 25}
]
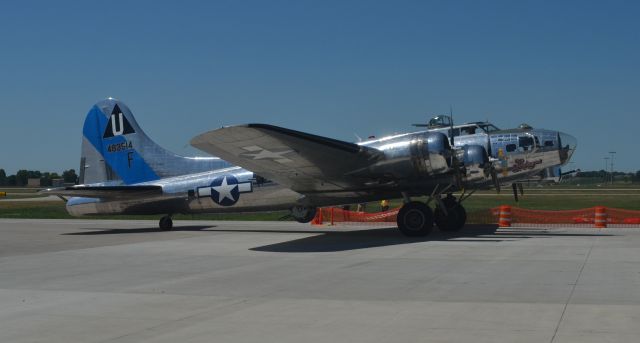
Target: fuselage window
[
  {"x": 525, "y": 143},
  {"x": 511, "y": 147}
]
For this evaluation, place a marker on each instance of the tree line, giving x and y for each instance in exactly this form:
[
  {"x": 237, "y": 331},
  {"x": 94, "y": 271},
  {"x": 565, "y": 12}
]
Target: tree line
[
  {"x": 603, "y": 174},
  {"x": 22, "y": 176},
  {"x": 46, "y": 178}
]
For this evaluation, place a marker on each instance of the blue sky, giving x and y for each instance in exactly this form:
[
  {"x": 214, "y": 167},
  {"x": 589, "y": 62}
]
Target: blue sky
[{"x": 330, "y": 68}]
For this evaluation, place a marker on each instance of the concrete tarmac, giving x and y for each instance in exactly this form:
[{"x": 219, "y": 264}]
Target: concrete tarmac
[{"x": 125, "y": 281}]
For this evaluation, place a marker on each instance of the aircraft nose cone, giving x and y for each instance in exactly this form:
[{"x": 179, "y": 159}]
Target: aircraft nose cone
[{"x": 568, "y": 145}]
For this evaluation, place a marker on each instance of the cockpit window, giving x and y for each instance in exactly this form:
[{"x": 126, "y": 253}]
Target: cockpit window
[
  {"x": 469, "y": 130},
  {"x": 489, "y": 128}
]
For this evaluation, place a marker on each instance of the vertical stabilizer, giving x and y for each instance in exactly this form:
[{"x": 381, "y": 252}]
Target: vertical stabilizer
[{"x": 116, "y": 150}]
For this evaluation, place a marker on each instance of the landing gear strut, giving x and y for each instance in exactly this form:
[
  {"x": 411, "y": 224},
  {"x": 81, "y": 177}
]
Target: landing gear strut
[
  {"x": 450, "y": 215},
  {"x": 415, "y": 219},
  {"x": 166, "y": 223}
]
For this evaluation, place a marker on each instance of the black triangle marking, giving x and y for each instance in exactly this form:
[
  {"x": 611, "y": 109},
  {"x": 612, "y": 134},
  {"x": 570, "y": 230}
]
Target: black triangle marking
[{"x": 121, "y": 128}]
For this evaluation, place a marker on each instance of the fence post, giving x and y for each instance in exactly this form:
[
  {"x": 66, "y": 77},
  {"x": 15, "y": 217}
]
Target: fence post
[
  {"x": 600, "y": 217},
  {"x": 504, "y": 218},
  {"x": 317, "y": 219},
  {"x": 332, "y": 215}
]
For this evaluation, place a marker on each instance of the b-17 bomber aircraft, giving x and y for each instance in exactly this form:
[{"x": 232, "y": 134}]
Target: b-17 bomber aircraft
[{"x": 260, "y": 167}]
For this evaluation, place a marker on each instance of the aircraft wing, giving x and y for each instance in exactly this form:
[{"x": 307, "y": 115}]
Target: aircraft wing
[
  {"x": 301, "y": 161},
  {"x": 105, "y": 192}
]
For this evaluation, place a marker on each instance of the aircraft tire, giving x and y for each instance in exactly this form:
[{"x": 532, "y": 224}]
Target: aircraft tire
[
  {"x": 166, "y": 223},
  {"x": 415, "y": 219},
  {"x": 303, "y": 214}
]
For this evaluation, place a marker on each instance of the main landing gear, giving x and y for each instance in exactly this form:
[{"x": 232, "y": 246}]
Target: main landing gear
[
  {"x": 166, "y": 223},
  {"x": 416, "y": 219},
  {"x": 303, "y": 214},
  {"x": 450, "y": 215}
]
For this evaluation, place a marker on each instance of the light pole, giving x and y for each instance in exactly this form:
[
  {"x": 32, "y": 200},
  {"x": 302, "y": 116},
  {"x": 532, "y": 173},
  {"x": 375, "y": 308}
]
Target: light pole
[
  {"x": 606, "y": 167},
  {"x": 612, "y": 153}
]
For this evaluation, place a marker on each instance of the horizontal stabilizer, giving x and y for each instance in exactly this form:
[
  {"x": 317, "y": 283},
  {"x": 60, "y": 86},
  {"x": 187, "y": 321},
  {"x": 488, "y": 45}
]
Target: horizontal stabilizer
[{"x": 105, "y": 192}]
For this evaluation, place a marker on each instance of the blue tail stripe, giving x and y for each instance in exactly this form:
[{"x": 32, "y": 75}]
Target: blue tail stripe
[{"x": 126, "y": 162}]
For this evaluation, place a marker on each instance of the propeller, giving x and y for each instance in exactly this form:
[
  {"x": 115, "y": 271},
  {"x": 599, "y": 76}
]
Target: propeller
[
  {"x": 493, "y": 171},
  {"x": 514, "y": 186},
  {"x": 451, "y": 128},
  {"x": 457, "y": 167},
  {"x": 494, "y": 178}
]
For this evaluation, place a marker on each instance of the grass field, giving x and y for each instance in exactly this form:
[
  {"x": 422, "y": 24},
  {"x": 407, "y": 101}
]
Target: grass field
[
  {"x": 21, "y": 190},
  {"x": 56, "y": 210},
  {"x": 548, "y": 198},
  {"x": 19, "y": 193}
]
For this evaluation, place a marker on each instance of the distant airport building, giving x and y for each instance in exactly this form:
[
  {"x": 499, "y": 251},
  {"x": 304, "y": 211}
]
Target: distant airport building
[
  {"x": 33, "y": 182},
  {"x": 57, "y": 183}
]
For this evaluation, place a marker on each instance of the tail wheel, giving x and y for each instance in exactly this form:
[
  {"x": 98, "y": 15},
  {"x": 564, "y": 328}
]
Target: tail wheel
[{"x": 415, "y": 219}]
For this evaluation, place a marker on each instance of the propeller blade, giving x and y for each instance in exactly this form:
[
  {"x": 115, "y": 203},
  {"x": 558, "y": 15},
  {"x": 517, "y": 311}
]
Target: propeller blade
[
  {"x": 515, "y": 191},
  {"x": 494, "y": 178},
  {"x": 521, "y": 189}
]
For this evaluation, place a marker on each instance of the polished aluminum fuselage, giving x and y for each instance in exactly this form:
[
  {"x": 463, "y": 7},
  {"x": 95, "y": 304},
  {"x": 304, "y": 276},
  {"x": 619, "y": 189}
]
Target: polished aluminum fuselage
[
  {"x": 180, "y": 195},
  {"x": 413, "y": 163}
]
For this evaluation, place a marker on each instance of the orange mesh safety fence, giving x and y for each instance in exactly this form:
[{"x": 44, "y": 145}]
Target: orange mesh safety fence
[
  {"x": 586, "y": 217},
  {"x": 581, "y": 218},
  {"x": 334, "y": 215},
  {"x": 624, "y": 217}
]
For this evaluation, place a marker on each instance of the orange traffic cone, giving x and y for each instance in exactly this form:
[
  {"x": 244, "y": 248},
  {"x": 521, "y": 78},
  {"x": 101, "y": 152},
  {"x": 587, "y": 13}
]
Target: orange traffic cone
[
  {"x": 504, "y": 218},
  {"x": 601, "y": 217}
]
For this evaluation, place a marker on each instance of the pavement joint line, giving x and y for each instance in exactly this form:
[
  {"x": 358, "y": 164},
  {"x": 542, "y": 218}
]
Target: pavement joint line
[
  {"x": 173, "y": 322},
  {"x": 573, "y": 288}
]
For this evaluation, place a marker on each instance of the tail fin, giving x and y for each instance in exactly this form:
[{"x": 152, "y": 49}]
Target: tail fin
[{"x": 116, "y": 150}]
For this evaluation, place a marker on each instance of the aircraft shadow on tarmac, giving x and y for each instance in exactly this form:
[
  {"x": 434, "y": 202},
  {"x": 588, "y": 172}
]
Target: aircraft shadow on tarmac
[
  {"x": 101, "y": 231},
  {"x": 335, "y": 240},
  {"x": 330, "y": 241}
]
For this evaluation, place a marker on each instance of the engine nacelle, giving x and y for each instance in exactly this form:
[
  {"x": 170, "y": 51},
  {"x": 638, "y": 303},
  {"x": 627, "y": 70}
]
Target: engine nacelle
[
  {"x": 475, "y": 160},
  {"x": 423, "y": 156},
  {"x": 438, "y": 143},
  {"x": 474, "y": 155}
]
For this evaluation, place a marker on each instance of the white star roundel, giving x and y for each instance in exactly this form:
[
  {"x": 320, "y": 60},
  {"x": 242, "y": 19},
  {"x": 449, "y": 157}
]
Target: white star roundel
[{"x": 224, "y": 190}]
